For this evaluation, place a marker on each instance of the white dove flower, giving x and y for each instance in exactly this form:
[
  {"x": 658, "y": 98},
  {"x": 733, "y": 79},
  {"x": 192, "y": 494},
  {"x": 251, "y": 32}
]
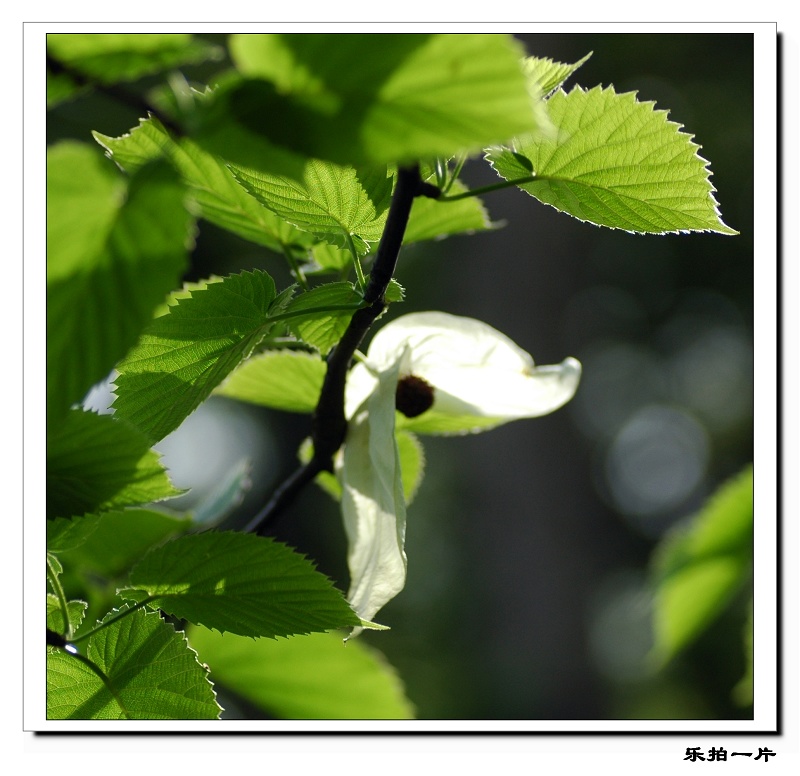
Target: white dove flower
[{"x": 432, "y": 373}]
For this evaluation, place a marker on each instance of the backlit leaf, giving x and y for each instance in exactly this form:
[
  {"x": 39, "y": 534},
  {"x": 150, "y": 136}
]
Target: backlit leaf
[
  {"x": 412, "y": 462},
  {"x": 112, "y": 57},
  {"x": 615, "y": 162},
  {"x": 305, "y": 677},
  {"x": 241, "y": 583},
  {"x": 282, "y": 379},
  {"x": 120, "y": 539},
  {"x": 336, "y": 204},
  {"x": 366, "y": 98},
  {"x": 183, "y": 355},
  {"x": 546, "y": 75},
  {"x": 67, "y": 533},
  {"x": 217, "y": 195},
  {"x": 60, "y": 87},
  {"x": 699, "y": 567},
  {"x": 330, "y": 308},
  {"x": 328, "y": 258},
  {"x": 55, "y": 617},
  {"x": 114, "y": 251},
  {"x": 151, "y": 673},
  {"x": 96, "y": 462}
]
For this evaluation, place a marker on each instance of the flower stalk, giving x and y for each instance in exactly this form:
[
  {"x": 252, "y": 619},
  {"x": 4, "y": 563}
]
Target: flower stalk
[{"x": 427, "y": 373}]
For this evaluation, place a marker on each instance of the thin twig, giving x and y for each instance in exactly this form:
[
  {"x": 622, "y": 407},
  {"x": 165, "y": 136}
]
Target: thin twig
[{"x": 283, "y": 495}]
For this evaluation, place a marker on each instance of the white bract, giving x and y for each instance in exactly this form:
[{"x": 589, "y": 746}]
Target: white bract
[{"x": 479, "y": 379}]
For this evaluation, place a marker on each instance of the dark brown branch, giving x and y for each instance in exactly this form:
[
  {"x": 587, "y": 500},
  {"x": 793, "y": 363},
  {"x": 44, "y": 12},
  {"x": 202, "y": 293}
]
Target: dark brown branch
[
  {"x": 283, "y": 496},
  {"x": 328, "y": 423}
]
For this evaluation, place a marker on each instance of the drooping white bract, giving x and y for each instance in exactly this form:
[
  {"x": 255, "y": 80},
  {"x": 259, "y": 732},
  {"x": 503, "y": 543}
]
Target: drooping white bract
[{"x": 480, "y": 379}]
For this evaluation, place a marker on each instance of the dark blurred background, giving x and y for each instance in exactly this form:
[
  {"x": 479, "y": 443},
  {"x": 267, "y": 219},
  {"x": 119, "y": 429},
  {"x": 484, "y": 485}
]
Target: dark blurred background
[{"x": 528, "y": 546}]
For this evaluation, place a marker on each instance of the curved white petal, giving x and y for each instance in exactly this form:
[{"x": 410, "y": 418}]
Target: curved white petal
[
  {"x": 373, "y": 506},
  {"x": 481, "y": 378},
  {"x": 361, "y": 382},
  {"x": 482, "y": 401},
  {"x": 437, "y": 339},
  {"x": 363, "y": 378},
  {"x": 506, "y": 393}
]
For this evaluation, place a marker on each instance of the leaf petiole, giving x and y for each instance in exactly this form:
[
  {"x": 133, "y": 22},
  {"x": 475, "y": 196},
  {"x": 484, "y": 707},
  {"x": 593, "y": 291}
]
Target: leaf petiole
[
  {"x": 110, "y": 620},
  {"x": 362, "y": 281},
  {"x": 486, "y": 189},
  {"x": 456, "y": 172},
  {"x": 327, "y": 308},
  {"x": 52, "y": 577}
]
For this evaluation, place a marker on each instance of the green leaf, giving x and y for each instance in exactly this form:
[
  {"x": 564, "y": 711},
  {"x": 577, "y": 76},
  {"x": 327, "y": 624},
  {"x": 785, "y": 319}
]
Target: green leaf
[
  {"x": 96, "y": 463},
  {"x": 724, "y": 526},
  {"x": 431, "y": 219},
  {"x": 412, "y": 462},
  {"x": 184, "y": 292},
  {"x": 394, "y": 292},
  {"x": 55, "y": 617},
  {"x": 546, "y": 75},
  {"x": 113, "y": 252},
  {"x": 217, "y": 196},
  {"x": 60, "y": 87},
  {"x": 70, "y": 683},
  {"x": 112, "y": 57},
  {"x": 150, "y": 672},
  {"x": 330, "y": 308},
  {"x": 67, "y": 533},
  {"x": 143, "y": 144},
  {"x": 120, "y": 539},
  {"x": 371, "y": 98},
  {"x": 240, "y": 583},
  {"x": 329, "y": 258},
  {"x": 698, "y": 568},
  {"x": 305, "y": 677},
  {"x": 337, "y": 204},
  {"x": 54, "y": 565},
  {"x": 285, "y": 380},
  {"x": 615, "y": 162},
  {"x": 439, "y": 423},
  {"x": 183, "y": 355}
]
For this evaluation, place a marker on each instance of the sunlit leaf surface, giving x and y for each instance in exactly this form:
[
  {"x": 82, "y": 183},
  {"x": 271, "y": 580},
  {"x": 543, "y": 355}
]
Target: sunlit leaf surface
[
  {"x": 151, "y": 673},
  {"x": 241, "y": 583},
  {"x": 615, "y": 162},
  {"x": 305, "y": 677},
  {"x": 185, "y": 354},
  {"x": 699, "y": 567},
  {"x": 115, "y": 249},
  {"x": 95, "y": 463},
  {"x": 365, "y": 98}
]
